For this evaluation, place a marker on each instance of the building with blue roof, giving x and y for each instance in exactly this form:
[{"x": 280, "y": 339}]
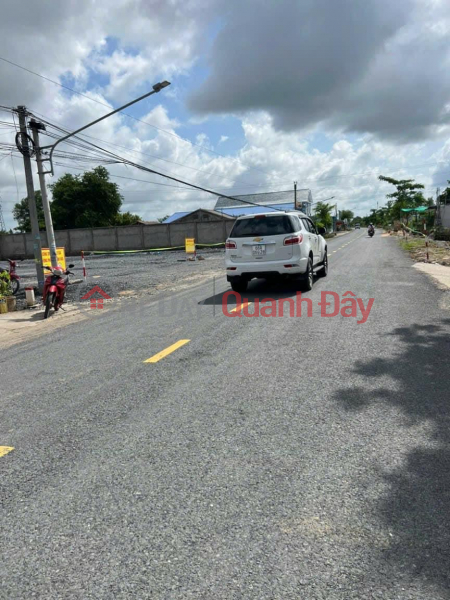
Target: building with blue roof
[{"x": 250, "y": 204}]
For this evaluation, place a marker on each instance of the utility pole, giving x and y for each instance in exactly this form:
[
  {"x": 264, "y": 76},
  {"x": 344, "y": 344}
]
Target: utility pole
[
  {"x": 437, "y": 214},
  {"x": 2, "y": 220},
  {"x": 295, "y": 195},
  {"x": 35, "y": 127},
  {"x": 26, "y": 151}
]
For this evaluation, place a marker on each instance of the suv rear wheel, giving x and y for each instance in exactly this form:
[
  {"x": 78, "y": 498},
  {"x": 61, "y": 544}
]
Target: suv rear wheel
[
  {"x": 309, "y": 276},
  {"x": 323, "y": 271},
  {"x": 239, "y": 285}
]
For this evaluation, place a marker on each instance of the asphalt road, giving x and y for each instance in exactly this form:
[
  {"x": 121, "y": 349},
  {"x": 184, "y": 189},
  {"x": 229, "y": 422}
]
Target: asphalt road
[{"x": 289, "y": 457}]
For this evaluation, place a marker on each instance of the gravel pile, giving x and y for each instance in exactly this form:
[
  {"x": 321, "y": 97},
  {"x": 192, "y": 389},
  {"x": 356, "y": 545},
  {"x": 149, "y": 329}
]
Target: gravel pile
[{"x": 130, "y": 275}]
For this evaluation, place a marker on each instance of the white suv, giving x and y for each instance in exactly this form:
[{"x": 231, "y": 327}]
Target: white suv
[{"x": 275, "y": 244}]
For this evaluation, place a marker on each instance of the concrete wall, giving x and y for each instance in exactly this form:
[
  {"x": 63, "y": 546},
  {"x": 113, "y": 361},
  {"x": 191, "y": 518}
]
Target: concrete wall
[
  {"x": 445, "y": 215},
  {"x": 136, "y": 237}
]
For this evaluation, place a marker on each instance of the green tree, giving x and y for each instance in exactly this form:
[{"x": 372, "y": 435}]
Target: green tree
[
  {"x": 21, "y": 214},
  {"x": 87, "y": 200},
  {"x": 407, "y": 195},
  {"x": 322, "y": 213},
  {"x": 347, "y": 214},
  {"x": 126, "y": 219}
]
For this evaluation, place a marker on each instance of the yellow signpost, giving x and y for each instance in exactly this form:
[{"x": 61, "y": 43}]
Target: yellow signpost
[
  {"x": 190, "y": 245},
  {"x": 60, "y": 254}
]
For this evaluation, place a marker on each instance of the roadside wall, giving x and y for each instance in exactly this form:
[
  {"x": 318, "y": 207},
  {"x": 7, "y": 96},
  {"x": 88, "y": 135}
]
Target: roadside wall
[
  {"x": 445, "y": 215},
  {"x": 136, "y": 237}
]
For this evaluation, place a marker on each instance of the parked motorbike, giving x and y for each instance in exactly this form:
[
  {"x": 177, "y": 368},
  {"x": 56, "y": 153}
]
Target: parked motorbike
[
  {"x": 55, "y": 288},
  {"x": 13, "y": 277}
]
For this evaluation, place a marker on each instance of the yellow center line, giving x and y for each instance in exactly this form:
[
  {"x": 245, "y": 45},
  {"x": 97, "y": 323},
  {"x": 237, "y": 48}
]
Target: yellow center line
[
  {"x": 166, "y": 352},
  {"x": 238, "y": 308},
  {"x": 5, "y": 450}
]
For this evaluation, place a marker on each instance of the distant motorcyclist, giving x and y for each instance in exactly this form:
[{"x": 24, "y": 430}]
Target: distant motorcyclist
[{"x": 371, "y": 230}]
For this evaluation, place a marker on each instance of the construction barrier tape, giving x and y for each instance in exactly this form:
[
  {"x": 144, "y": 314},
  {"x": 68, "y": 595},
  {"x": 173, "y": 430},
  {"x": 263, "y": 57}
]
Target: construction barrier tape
[{"x": 107, "y": 252}]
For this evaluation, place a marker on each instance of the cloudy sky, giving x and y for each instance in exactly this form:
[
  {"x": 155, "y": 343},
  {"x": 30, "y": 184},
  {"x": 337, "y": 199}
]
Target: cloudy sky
[{"x": 330, "y": 93}]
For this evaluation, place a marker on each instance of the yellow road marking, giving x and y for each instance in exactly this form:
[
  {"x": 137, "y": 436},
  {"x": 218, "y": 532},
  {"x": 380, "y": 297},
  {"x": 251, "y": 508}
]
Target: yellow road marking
[
  {"x": 238, "y": 308},
  {"x": 5, "y": 450},
  {"x": 166, "y": 352}
]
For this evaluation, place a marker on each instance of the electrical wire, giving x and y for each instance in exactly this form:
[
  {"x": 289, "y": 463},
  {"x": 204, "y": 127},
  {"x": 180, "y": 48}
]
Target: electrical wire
[
  {"x": 15, "y": 177},
  {"x": 242, "y": 186},
  {"x": 122, "y": 112},
  {"x": 176, "y": 179},
  {"x": 115, "y": 145}
]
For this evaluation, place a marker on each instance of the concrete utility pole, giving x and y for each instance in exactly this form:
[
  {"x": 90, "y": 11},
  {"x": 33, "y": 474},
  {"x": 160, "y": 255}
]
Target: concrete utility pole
[
  {"x": 26, "y": 153},
  {"x": 295, "y": 195},
  {"x": 2, "y": 220},
  {"x": 35, "y": 127}
]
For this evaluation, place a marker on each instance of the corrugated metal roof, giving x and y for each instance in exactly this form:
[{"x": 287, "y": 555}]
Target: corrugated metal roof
[
  {"x": 180, "y": 215},
  {"x": 247, "y": 209},
  {"x": 267, "y": 199},
  {"x": 176, "y": 216}
]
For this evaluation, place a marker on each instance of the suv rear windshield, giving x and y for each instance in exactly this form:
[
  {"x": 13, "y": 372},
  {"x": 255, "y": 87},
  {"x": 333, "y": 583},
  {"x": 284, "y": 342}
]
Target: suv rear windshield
[{"x": 263, "y": 226}]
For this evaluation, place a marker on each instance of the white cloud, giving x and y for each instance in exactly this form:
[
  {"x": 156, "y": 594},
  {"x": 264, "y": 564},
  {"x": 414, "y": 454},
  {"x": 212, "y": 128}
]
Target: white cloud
[
  {"x": 375, "y": 66},
  {"x": 155, "y": 39}
]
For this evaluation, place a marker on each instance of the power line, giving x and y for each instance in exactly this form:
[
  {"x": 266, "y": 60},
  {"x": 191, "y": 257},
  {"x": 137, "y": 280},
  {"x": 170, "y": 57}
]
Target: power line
[
  {"x": 115, "y": 145},
  {"x": 15, "y": 177},
  {"x": 176, "y": 179},
  {"x": 242, "y": 186},
  {"x": 307, "y": 180},
  {"x": 124, "y": 113}
]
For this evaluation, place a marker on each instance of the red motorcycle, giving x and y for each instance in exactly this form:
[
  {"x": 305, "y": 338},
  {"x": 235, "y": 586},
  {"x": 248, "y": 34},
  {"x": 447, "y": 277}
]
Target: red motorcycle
[
  {"x": 13, "y": 277},
  {"x": 55, "y": 288}
]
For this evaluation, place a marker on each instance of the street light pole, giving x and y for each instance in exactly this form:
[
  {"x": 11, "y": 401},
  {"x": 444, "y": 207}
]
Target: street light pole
[
  {"x": 156, "y": 88},
  {"x": 36, "y": 127}
]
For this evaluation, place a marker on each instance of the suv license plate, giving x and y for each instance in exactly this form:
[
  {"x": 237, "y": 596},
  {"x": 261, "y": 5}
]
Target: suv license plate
[{"x": 259, "y": 250}]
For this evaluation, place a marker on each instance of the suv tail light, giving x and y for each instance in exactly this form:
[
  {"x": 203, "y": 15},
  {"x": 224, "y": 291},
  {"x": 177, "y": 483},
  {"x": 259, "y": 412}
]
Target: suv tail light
[
  {"x": 229, "y": 245},
  {"x": 295, "y": 239}
]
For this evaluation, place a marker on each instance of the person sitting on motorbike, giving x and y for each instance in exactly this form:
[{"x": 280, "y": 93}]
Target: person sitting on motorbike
[{"x": 371, "y": 228}]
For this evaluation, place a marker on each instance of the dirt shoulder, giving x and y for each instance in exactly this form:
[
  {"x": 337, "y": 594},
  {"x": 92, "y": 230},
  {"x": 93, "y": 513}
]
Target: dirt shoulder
[
  {"x": 432, "y": 258},
  {"x": 438, "y": 252}
]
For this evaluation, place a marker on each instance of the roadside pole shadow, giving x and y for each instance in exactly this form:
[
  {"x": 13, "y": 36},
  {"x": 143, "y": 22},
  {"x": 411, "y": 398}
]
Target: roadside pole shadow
[
  {"x": 416, "y": 507},
  {"x": 257, "y": 290},
  {"x": 37, "y": 316}
]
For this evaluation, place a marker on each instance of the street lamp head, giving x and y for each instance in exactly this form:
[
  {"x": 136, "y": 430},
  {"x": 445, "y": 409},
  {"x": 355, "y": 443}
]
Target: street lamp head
[{"x": 159, "y": 86}]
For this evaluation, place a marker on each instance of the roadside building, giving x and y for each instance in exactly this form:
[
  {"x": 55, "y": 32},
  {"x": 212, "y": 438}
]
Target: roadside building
[
  {"x": 201, "y": 215},
  {"x": 271, "y": 201}
]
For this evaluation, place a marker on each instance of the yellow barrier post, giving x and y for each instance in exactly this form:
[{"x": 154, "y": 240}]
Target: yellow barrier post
[{"x": 190, "y": 247}]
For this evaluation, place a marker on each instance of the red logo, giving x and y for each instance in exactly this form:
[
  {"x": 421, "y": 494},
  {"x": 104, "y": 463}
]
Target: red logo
[{"x": 96, "y": 302}]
